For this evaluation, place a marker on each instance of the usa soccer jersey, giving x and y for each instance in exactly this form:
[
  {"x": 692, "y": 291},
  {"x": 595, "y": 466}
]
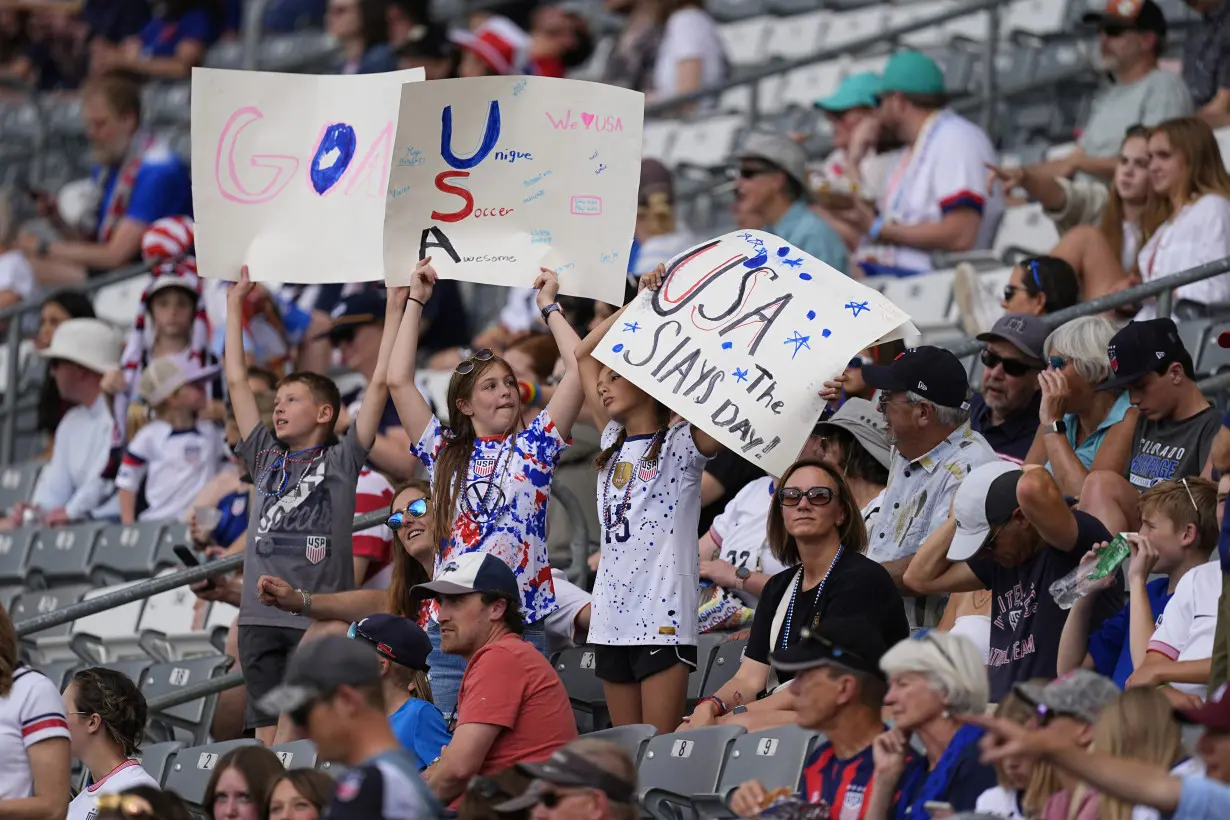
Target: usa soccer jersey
[
  {"x": 842, "y": 785},
  {"x": 502, "y": 509},
  {"x": 174, "y": 464}
]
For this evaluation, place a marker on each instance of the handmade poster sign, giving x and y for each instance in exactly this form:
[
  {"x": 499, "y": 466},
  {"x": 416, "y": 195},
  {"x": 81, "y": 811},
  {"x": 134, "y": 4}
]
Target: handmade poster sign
[
  {"x": 289, "y": 173},
  {"x": 741, "y": 336},
  {"x": 497, "y": 176}
]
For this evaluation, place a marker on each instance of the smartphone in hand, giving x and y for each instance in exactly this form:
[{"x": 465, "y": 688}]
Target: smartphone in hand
[{"x": 189, "y": 559}]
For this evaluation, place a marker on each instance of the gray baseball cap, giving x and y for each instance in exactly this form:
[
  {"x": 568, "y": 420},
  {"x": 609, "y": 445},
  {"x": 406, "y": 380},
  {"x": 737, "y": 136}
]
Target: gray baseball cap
[
  {"x": 860, "y": 419},
  {"x": 1081, "y": 694},
  {"x": 779, "y": 150},
  {"x": 318, "y": 667},
  {"x": 1023, "y": 331}
]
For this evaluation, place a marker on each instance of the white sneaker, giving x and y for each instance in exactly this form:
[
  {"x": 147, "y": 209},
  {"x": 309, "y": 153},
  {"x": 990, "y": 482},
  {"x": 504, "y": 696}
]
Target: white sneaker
[{"x": 977, "y": 308}]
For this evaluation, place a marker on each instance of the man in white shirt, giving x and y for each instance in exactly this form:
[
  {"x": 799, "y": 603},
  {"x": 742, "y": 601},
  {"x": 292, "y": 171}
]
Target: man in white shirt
[
  {"x": 71, "y": 488},
  {"x": 937, "y": 199}
]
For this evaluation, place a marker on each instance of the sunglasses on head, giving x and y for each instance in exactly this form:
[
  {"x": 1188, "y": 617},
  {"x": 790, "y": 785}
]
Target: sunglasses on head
[
  {"x": 1013, "y": 367},
  {"x": 415, "y": 509},
  {"x": 1046, "y": 715},
  {"x": 816, "y": 496},
  {"x": 835, "y": 651},
  {"x": 472, "y": 361}
]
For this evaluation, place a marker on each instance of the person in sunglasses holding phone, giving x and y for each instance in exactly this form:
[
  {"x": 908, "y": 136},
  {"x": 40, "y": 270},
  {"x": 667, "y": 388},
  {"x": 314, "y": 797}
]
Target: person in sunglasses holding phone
[{"x": 1005, "y": 411}]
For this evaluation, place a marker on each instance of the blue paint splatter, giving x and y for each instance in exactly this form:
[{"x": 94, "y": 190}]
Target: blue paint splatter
[
  {"x": 794, "y": 263},
  {"x": 740, "y": 374},
  {"x": 826, "y": 333},
  {"x": 617, "y": 348},
  {"x": 338, "y": 146},
  {"x": 757, "y": 261},
  {"x": 727, "y": 345},
  {"x": 631, "y": 327},
  {"x": 783, "y": 251},
  {"x": 811, "y": 314},
  {"x": 805, "y": 277},
  {"x": 799, "y": 341},
  {"x": 857, "y": 307}
]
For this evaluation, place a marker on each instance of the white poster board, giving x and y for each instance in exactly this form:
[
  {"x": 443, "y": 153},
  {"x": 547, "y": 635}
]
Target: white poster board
[
  {"x": 497, "y": 176},
  {"x": 289, "y": 173},
  {"x": 741, "y": 336}
]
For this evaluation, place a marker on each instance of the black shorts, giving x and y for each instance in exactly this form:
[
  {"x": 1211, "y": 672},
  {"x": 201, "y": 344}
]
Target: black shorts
[
  {"x": 632, "y": 664},
  {"x": 263, "y": 654}
]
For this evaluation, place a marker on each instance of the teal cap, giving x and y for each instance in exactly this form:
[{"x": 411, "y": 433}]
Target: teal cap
[
  {"x": 911, "y": 72},
  {"x": 855, "y": 91}
]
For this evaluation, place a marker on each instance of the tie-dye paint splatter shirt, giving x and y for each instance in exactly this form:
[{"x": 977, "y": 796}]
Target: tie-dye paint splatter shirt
[{"x": 504, "y": 508}]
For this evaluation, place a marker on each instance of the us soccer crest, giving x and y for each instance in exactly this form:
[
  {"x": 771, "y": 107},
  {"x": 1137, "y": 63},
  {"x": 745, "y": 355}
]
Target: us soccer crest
[
  {"x": 647, "y": 472},
  {"x": 317, "y": 546},
  {"x": 484, "y": 467},
  {"x": 622, "y": 474}
]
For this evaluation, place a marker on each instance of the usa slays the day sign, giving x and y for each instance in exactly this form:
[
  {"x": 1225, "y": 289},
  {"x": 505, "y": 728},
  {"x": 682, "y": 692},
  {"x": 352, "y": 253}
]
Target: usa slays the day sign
[{"x": 496, "y": 176}]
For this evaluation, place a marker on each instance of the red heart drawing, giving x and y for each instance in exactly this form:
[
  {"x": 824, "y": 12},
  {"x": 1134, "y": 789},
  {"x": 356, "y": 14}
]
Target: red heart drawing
[{"x": 588, "y": 119}]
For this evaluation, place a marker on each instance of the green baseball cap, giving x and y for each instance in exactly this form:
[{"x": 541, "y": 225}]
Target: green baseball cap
[
  {"x": 855, "y": 91},
  {"x": 911, "y": 72}
]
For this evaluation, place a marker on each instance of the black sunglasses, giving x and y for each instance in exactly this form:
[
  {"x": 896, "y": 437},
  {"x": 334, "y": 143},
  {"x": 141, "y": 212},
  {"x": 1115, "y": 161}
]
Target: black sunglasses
[
  {"x": 1013, "y": 367},
  {"x": 753, "y": 171},
  {"x": 816, "y": 496},
  {"x": 550, "y": 798},
  {"x": 467, "y": 366}
]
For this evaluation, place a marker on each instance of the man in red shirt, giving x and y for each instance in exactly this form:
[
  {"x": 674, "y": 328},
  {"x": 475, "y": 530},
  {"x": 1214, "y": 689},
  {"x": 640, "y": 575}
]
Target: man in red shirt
[{"x": 512, "y": 706}]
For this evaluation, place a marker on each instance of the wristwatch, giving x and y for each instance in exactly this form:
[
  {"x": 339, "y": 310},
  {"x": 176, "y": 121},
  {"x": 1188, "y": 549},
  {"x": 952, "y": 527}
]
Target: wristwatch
[
  {"x": 741, "y": 576},
  {"x": 548, "y": 310},
  {"x": 1058, "y": 426}
]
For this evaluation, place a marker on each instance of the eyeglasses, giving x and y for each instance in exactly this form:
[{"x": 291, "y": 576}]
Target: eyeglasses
[
  {"x": 129, "y": 805},
  {"x": 415, "y": 509},
  {"x": 1013, "y": 367},
  {"x": 929, "y": 638},
  {"x": 466, "y": 367},
  {"x": 816, "y": 496},
  {"x": 882, "y": 401}
]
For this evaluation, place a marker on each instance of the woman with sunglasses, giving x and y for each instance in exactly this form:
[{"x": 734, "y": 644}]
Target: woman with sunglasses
[
  {"x": 1040, "y": 285},
  {"x": 933, "y": 678},
  {"x": 643, "y": 620},
  {"x": 106, "y": 720},
  {"x": 1081, "y": 426},
  {"x": 490, "y": 472},
  {"x": 815, "y": 528}
]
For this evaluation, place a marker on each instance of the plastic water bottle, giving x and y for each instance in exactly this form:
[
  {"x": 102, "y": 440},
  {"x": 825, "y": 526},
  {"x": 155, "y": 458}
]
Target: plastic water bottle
[{"x": 1084, "y": 579}]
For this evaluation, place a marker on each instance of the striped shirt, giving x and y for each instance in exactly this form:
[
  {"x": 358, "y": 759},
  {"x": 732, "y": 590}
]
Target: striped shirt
[
  {"x": 842, "y": 785},
  {"x": 32, "y": 713}
]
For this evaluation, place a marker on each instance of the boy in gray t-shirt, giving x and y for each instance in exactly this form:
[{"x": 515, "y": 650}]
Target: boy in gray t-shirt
[{"x": 305, "y": 477}]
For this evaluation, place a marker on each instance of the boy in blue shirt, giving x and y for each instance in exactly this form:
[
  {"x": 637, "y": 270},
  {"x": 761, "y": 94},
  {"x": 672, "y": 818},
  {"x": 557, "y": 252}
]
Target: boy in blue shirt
[
  {"x": 403, "y": 648},
  {"x": 1178, "y": 530}
]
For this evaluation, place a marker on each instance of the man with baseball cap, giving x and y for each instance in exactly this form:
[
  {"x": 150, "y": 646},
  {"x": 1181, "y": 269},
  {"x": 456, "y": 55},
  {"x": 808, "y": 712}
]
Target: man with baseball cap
[
  {"x": 838, "y": 689},
  {"x": 937, "y": 199},
  {"x": 71, "y": 487},
  {"x": 1014, "y": 533},
  {"x": 772, "y": 190},
  {"x": 1175, "y": 427},
  {"x": 512, "y": 706},
  {"x": 924, "y": 398},
  {"x": 585, "y": 779},
  {"x": 1006, "y": 409},
  {"x": 403, "y": 647},
  {"x": 332, "y": 692}
]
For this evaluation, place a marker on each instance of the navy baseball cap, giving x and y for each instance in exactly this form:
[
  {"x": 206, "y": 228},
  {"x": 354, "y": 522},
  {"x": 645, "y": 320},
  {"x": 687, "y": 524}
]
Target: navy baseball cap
[
  {"x": 363, "y": 308},
  {"x": 852, "y": 642},
  {"x": 1141, "y": 348},
  {"x": 472, "y": 572},
  {"x": 397, "y": 639},
  {"x": 931, "y": 372}
]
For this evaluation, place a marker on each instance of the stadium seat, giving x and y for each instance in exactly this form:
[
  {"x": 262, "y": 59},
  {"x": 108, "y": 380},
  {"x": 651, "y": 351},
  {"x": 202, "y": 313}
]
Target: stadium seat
[
  {"x": 803, "y": 86},
  {"x": 118, "y": 303},
  {"x": 792, "y": 38},
  {"x": 168, "y": 627},
  {"x": 14, "y": 549},
  {"x": 744, "y": 40},
  {"x": 1193, "y": 334},
  {"x": 58, "y": 671},
  {"x": 723, "y": 666},
  {"x": 61, "y": 555},
  {"x": 1214, "y": 358},
  {"x": 775, "y": 757},
  {"x": 706, "y": 645},
  {"x": 225, "y": 54},
  {"x": 40, "y": 602},
  {"x": 196, "y": 716},
  {"x": 849, "y": 26},
  {"x": 1026, "y": 227},
  {"x": 706, "y": 143},
  {"x": 575, "y": 666},
  {"x": 127, "y": 551},
  {"x": 929, "y": 296},
  {"x": 190, "y": 772},
  {"x": 657, "y": 138},
  {"x": 134, "y": 668},
  {"x": 679, "y": 765},
  {"x": 156, "y": 758},
  {"x": 103, "y": 636},
  {"x": 632, "y": 738},
  {"x": 172, "y": 534},
  {"x": 166, "y": 103},
  {"x": 17, "y": 483},
  {"x": 298, "y": 754}
]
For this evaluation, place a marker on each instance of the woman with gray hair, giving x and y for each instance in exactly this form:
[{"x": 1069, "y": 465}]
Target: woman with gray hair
[
  {"x": 1081, "y": 428},
  {"x": 933, "y": 679}
]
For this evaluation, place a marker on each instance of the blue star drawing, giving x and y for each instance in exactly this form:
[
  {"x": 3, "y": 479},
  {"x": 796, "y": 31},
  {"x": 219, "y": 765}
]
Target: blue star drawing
[
  {"x": 740, "y": 375},
  {"x": 857, "y": 307},
  {"x": 799, "y": 341},
  {"x": 631, "y": 327},
  {"x": 747, "y": 237},
  {"x": 793, "y": 263}
]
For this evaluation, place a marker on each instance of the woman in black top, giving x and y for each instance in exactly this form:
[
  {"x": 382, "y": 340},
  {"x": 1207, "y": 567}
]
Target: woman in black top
[{"x": 814, "y": 523}]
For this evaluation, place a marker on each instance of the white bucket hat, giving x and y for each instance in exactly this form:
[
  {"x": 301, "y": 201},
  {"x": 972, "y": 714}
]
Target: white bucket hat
[{"x": 90, "y": 343}]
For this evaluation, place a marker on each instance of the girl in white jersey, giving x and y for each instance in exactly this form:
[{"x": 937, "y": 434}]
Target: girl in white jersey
[
  {"x": 106, "y": 718},
  {"x": 490, "y": 472},
  {"x": 644, "y": 621}
]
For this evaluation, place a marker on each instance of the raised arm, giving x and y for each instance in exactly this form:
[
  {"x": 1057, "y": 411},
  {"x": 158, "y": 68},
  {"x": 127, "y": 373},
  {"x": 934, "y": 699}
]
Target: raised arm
[
  {"x": 235, "y": 361},
  {"x": 370, "y": 411},
  {"x": 589, "y": 367},
  {"x": 412, "y": 408},
  {"x": 569, "y": 395},
  {"x": 1045, "y": 507},
  {"x": 931, "y": 572}
]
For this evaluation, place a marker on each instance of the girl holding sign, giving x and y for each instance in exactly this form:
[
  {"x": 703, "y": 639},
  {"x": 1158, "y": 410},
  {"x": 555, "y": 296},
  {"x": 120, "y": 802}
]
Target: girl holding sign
[
  {"x": 644, "y": 620},
  {"x": 490, "y": 472}
]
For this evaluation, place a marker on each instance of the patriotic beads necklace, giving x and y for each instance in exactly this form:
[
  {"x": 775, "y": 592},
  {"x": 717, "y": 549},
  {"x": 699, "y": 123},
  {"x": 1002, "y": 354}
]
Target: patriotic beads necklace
[
  {"x": 494, "y": 485},
  {"x": 816, "y": 599},
  {"x": 279, "y": 465},
  {"x": 613, "y": 517}
]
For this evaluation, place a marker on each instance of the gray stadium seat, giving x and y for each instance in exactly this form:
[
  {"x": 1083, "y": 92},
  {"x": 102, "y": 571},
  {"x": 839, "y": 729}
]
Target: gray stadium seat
[
  {"x": 14, "y": 549},
  {"x": 679, "y": 765},
  {"x": 17, "y": 483},
  {"x": 166, "y": 103},
  {"x": 58, "y": 671},
  {"x": 575, "y": 666},
  {"x": 61, "y": 555},
  {"x": 225, "y": 54},
  {"x": 707, "y": 644},
  {"x": 632, "y": 738},
  {"x": 723, "y": 666},
  {"x": 156, "y": 758},
  {"x": 775, "y": 757},
  {"x": 298, "y": 754},
  {"x": 134, "y": 669},
  {"x": 190, "y": 772},
  {"x": 126, "y": 552},
  {"x": 173, "y": 533},
  {"x": 166, "y": 678},
  {"x": 40, "y": 602}
]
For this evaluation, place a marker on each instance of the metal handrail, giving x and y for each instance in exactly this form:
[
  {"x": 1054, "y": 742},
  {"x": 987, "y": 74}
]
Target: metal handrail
[{"x": 193, "y": 691}]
